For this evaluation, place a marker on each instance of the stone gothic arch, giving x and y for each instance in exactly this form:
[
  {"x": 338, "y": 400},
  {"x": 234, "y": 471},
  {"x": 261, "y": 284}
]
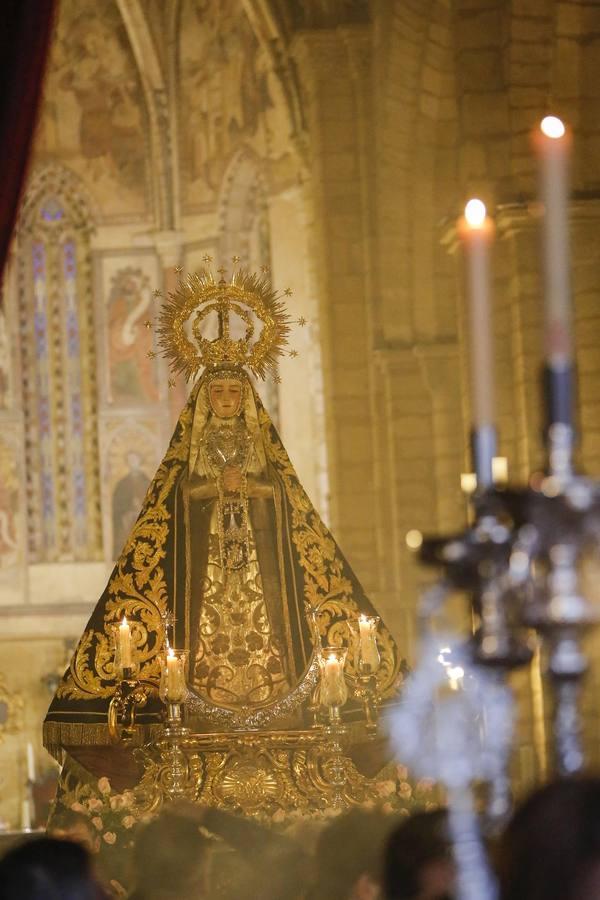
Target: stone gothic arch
[
  {"x": 243, "y": 211},
  {"x": 243, "y": 223}
]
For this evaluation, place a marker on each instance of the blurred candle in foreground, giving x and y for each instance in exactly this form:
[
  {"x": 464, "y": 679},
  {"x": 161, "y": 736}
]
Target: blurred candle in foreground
[
  {"x": 30, "y": 762},
  {"x": 552, "y": 144},
  {"x": 476, "y": 232}
]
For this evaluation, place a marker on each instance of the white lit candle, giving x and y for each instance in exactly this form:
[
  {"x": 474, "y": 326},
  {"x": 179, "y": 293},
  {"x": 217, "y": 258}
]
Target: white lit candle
[
  {"x": 369, "y": 654},
  {"x": 476, "y": 231},
  {"x": 25, "y": 814},
  {"x": 175, "y": 681},
  {"x": 30, "y": 762},
  {"x": 125, "y": 644},
  {"x": 333, "y": 683},
  {"x": 552, "y": 143}
]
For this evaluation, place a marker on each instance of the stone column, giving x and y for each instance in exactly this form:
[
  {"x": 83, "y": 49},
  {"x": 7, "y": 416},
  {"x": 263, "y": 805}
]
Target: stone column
[
  {"x": 169, "y": 245},
  {"x": 334, "y": 110}
]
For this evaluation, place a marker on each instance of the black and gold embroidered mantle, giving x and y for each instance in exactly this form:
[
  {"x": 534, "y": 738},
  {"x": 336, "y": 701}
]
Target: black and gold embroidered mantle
[{"x": 164, "y": 571}]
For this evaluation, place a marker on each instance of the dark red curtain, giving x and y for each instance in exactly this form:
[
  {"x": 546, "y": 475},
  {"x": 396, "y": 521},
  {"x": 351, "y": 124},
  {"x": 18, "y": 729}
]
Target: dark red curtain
[{"x": 25, "y": 33}]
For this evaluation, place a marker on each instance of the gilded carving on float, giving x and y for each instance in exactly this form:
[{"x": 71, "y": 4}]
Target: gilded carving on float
[{"x": 233, "y": 654}]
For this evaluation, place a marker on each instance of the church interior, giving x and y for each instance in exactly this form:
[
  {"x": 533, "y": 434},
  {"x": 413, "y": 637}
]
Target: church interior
[{"x": 332, "y": 144}]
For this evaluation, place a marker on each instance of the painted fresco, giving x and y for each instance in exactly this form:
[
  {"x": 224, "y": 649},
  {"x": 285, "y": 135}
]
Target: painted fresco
[
  {"x": 10, "y": 531},
  {"x": 94, "y": 115},
  {"x": 130, "y": 375},
  {"x": 132, "y": 457},
  {"x": 228, "y": 96},
  {"x": 5, "y": 364}
]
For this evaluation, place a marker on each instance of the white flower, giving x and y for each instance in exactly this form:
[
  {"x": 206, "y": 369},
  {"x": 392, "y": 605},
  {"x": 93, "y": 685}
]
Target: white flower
[
  {"x": 424, "y": 786},
  {"x": 110, "y": 837},
  {"x": 78, "y": 807},
  {"x": 104, "y": 785},
  {"x": 405, "y": 790},
  {"x": 128, "y": 821},
  {"x": 385, "y": 788},
  {"x": 97, "y": 822},
  {"x": 94, "y": 803}
]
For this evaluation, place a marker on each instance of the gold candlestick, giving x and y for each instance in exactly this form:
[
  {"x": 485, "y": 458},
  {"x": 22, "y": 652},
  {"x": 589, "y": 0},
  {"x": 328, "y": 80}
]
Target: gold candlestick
[
  {"x": 129, "y": 694},
  {"x": 173, "y": 689}
]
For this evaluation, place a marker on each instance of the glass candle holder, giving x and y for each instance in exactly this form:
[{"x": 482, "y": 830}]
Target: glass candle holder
[
  {"x": 368, "y": 651},
  {"x": 173, "y": 687},
  {"x": 333, "y": 690}
]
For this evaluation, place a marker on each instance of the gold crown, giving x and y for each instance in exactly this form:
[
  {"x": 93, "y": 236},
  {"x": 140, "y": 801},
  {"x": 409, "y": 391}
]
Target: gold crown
[{"x": 248, "y": 296}]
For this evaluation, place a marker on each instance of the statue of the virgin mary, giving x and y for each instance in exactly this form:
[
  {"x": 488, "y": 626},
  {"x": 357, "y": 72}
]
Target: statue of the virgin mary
[{"x": 228, "y": 558}]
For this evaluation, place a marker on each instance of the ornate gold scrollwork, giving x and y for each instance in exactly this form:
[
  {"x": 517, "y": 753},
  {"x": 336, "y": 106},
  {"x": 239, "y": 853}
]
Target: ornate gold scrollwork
[
  {"x": 129, "y": 696},
  {"x": 256, "y": 774}
]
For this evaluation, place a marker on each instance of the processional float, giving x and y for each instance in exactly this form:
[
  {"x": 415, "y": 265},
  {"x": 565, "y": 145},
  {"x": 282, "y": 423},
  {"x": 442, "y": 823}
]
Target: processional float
[
  {"x": 518, "y": 564},
  {"x": 233, "y": 659}
]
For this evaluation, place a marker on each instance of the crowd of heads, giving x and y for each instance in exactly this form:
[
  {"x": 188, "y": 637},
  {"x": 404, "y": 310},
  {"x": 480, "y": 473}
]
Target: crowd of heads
[{"x": 550, "y": 850}]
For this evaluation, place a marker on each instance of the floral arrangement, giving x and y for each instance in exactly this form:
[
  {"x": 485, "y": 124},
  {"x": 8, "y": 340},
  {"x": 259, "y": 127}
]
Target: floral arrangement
[
  {"x": 112, "y": 815},
  {"x": 391, "y": 792}
]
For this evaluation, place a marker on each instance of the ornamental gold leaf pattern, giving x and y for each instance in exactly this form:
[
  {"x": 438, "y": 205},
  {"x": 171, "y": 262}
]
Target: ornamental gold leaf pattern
[
  {"x": 326, "y": 589},
  {"x": 137, "y": 589}
]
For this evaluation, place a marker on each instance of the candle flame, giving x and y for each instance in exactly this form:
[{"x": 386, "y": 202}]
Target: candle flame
[
  {"x": 475, "y": 213},
  {"x": 170, "y": 652},
  {"x": 552, "y": 127},
  {"x": 413, "y": 539},
  {"x": 124, "y": 622}
]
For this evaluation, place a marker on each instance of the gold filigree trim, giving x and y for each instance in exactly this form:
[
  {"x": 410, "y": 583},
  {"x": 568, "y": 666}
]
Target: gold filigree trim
[{"x": 251, "y": 717}]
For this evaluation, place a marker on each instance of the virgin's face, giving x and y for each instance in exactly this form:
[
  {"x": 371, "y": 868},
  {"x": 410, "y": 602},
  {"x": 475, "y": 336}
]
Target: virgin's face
[{"x": 225, "y": 396}]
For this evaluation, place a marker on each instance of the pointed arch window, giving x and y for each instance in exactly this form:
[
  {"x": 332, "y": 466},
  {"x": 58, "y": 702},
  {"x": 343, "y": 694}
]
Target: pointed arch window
[{"x": 58, "y": 358}]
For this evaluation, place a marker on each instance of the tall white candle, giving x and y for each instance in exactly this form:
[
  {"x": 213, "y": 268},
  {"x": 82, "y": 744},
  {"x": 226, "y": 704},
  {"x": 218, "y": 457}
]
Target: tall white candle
[
  {"x": 476, "y": 232},
  {"x": 175, "y": 677},
  {"x": 30, "y": 762},
  {"x": 552, "y": 143},
  {"x": 333, "y": 683},
  {"x": 26, "y": 814},
  {"x": 125, "y": 644}
]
